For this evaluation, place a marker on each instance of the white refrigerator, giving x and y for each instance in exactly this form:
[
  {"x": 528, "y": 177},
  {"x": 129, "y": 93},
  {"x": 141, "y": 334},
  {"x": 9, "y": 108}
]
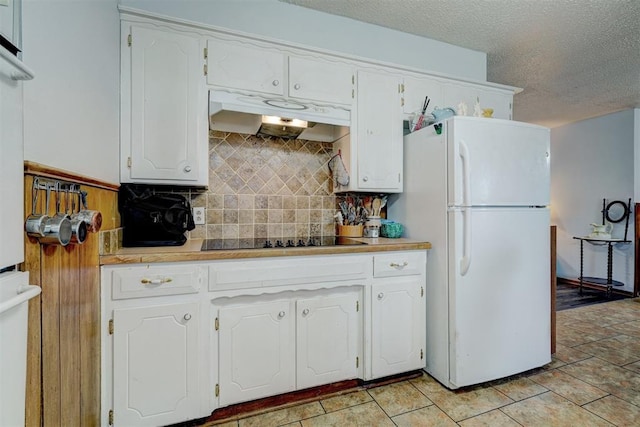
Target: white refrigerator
[{"x": 479, "y": 192}]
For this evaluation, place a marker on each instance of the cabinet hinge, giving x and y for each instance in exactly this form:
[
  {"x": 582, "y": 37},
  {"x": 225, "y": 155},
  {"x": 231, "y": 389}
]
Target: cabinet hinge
[
  {"x": 398, "y": 177},
  {"x": 421, "y": 291},
  {"x": 216, "y": 324},
  {"x": 353, "y": 79},
  {"x": 206, "y": 69},
  {"x": 206, "y": 53},
  {"x": 129, "y": 40},
  {"x": 402, "y": 102},
  {"x": 110, "y": 326},
  {"x": 421, "y": 354},
  {"x": 402, "y": 85},
  {"x": 217, "y": 390},
  {"x": 128, "y": 162},
  {"x": 357, "y": 306},
  {"x": 357, "y": 362},
  {"x": 353, "y": 93},
  {"x": 110, "y": 417}
]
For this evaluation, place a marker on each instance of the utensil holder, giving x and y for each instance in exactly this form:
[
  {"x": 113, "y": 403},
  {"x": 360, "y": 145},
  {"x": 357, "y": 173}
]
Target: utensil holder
[{"x": 350, "y": 230}]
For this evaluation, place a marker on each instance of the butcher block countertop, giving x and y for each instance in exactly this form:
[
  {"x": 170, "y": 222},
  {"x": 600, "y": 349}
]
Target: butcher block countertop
[{"x": 190, "y": 251}]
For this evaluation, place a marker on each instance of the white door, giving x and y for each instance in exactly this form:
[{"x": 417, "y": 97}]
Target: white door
[
  {"x": 167, "y": 91},
  {"x": 499, "y": 307},
  {"x": 324, "y": 81},
  {"x": 155, "y": 380},
  {"x": 256, "y": 351},
  {"x": 327, "y": 333},
  {"x": 497, "y": 163},
  {"x": 398, "y": 326}
]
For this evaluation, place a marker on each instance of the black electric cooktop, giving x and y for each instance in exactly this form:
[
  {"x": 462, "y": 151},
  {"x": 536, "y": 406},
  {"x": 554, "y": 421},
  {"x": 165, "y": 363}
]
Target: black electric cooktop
[{"x": 285, "y": 242}]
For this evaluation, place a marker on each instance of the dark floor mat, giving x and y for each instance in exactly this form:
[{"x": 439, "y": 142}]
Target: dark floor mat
[{"x": 568, "y": 296}]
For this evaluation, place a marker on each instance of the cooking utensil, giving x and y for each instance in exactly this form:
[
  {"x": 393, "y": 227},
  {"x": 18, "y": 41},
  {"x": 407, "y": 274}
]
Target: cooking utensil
[
  {"x": 375, "y": 206},
  {"x": 93, "y": 219},
  {"x": 78, "y": 226},
  {"x": 58, "y": 228},
  {"x": 35, "y": 223}
]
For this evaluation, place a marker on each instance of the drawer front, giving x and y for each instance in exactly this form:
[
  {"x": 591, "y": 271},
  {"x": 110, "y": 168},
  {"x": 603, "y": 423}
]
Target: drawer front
[
  {"x": 399, "y": 264},
  {"x": 280, "y": 272},
  {"x": 151, "y": 280}
]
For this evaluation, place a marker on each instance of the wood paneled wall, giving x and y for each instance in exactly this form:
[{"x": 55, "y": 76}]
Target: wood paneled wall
[{"x": 63, "y": 365}]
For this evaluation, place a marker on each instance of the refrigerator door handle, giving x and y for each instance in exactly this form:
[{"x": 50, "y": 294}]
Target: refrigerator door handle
[
  {"x": 463, "y": 152},
  {"x": 465, "y": 261}
]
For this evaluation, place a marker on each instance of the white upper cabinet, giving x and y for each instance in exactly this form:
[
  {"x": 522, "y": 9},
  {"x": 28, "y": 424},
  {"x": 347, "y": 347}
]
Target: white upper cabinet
[
  {"x": 498, "y": 99},
  {"x": 378, "y": 140},
  {"x": 415, "y": 90},
  {"x": 241, "y": 66},
  {"x": 163, "y": 107}
]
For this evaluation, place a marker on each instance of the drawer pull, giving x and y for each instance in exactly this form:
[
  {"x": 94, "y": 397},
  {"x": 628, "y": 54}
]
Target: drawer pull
[
  {"x": 281, "y": 315},
  {"x": 155, "y": 281},
  {"x": 380, "y": 295},
  {"x": 397, "y": 265},
  {"x": 305, "y": 311},
  {"x": 187, "y": 317}
]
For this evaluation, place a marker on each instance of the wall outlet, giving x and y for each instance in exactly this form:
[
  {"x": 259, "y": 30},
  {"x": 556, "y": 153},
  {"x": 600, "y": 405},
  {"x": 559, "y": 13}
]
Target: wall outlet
[{"x": 198, "y": 216}]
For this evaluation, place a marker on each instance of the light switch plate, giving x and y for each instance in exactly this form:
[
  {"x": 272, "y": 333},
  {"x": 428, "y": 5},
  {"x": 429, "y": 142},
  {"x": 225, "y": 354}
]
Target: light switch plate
[{"x": 198, "y": 216}]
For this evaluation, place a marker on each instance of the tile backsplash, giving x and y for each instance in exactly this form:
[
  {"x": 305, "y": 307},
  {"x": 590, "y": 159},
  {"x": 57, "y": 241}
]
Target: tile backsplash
[{"x": 266, "y": 187}]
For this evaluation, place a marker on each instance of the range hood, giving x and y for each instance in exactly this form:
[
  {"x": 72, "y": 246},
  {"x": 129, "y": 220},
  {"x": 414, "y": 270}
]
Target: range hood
[{"x": 229, "y": 112}]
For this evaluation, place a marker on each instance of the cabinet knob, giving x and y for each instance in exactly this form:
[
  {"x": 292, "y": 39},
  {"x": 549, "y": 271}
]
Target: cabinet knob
[
  {"x": 187, "y": 316},
  {"x": 275, "y": 82},
  {"x": 380, "y": 295},
  {"x": 296, "y": 86},
  {"x": 305, "y": 311},
  {"x": 397, "y": 265},
  {"x": 187, "y": 168},
  {"x": 365, "y": 178},
  {"x": 281, "y": 315}
]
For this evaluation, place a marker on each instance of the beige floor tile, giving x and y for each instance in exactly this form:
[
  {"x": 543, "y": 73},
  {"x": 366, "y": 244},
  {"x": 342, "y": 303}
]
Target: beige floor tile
[
  {"x": 569, "y": 354},
  {"x": 618, "y": 350},
  {"x": 466, "y": 403},
  {"x": 225, "y": 424},
  {"x": 398, "y": 398},
  {"x": 520, "y": 388},
  {"x": 345, "y": 400},
  {"x": 635, "y": 366},
  {"x": 616, "y": 411},
  {"x": 613, "y": 379},
  {"x": 577, "y": 391},
  {"x": 550, "y": 410},
  {"x": 627, "y": 328},
  {"x": 365, "y": 415},
  {"x": 283, "y": 416},
  {"x": 571, "y": 337},
  {"x": 427, "y": 384},
  {"x": 495, "y": 418},
  {"x": 430, "y": 416}
]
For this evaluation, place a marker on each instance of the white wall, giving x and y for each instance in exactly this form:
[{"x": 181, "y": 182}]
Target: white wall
[
  {"x": 292, "y": 23},
  {"x": 591, "y": 160},
  {"x": 71, "y": 118}
]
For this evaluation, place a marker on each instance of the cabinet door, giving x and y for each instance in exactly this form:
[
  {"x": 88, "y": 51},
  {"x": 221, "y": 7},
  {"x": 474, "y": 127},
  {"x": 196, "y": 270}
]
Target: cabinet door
[
  {"x": 155, "y": 377},
  {"x": 318, "y": 80},
  {"x": 500, "y": 101},
  {"x": 327, "y": 339},
  {"x": 415, "y": 91},
  {"x": 256, "y": 351},
  {"x": 165, "y": 115},
  {"x": 398, "y": 325},
  {"x": 379, "y": 132},
  {"x": 238, "y": 65}
]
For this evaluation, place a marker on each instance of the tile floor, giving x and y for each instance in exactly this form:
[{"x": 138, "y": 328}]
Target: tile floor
[{"x": 593, "y": 380}]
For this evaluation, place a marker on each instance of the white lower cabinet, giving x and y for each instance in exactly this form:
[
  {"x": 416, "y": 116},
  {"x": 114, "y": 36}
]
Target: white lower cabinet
[
  {"x": 256, "y": 354},
  {"x": 398, "y": 319},
  {"x": 288, "y": 344},
  {"x": 176, "y": 349},
  {"x": 155, "y": 372}
]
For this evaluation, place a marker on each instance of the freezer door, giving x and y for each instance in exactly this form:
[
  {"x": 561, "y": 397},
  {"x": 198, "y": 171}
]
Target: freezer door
[
  {"x": 499, "y": 293},
  {"x": 497, "y": 163}
]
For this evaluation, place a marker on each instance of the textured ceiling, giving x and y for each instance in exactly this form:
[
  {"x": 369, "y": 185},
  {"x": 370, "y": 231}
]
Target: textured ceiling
[{"x": 575, "y": 59}]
